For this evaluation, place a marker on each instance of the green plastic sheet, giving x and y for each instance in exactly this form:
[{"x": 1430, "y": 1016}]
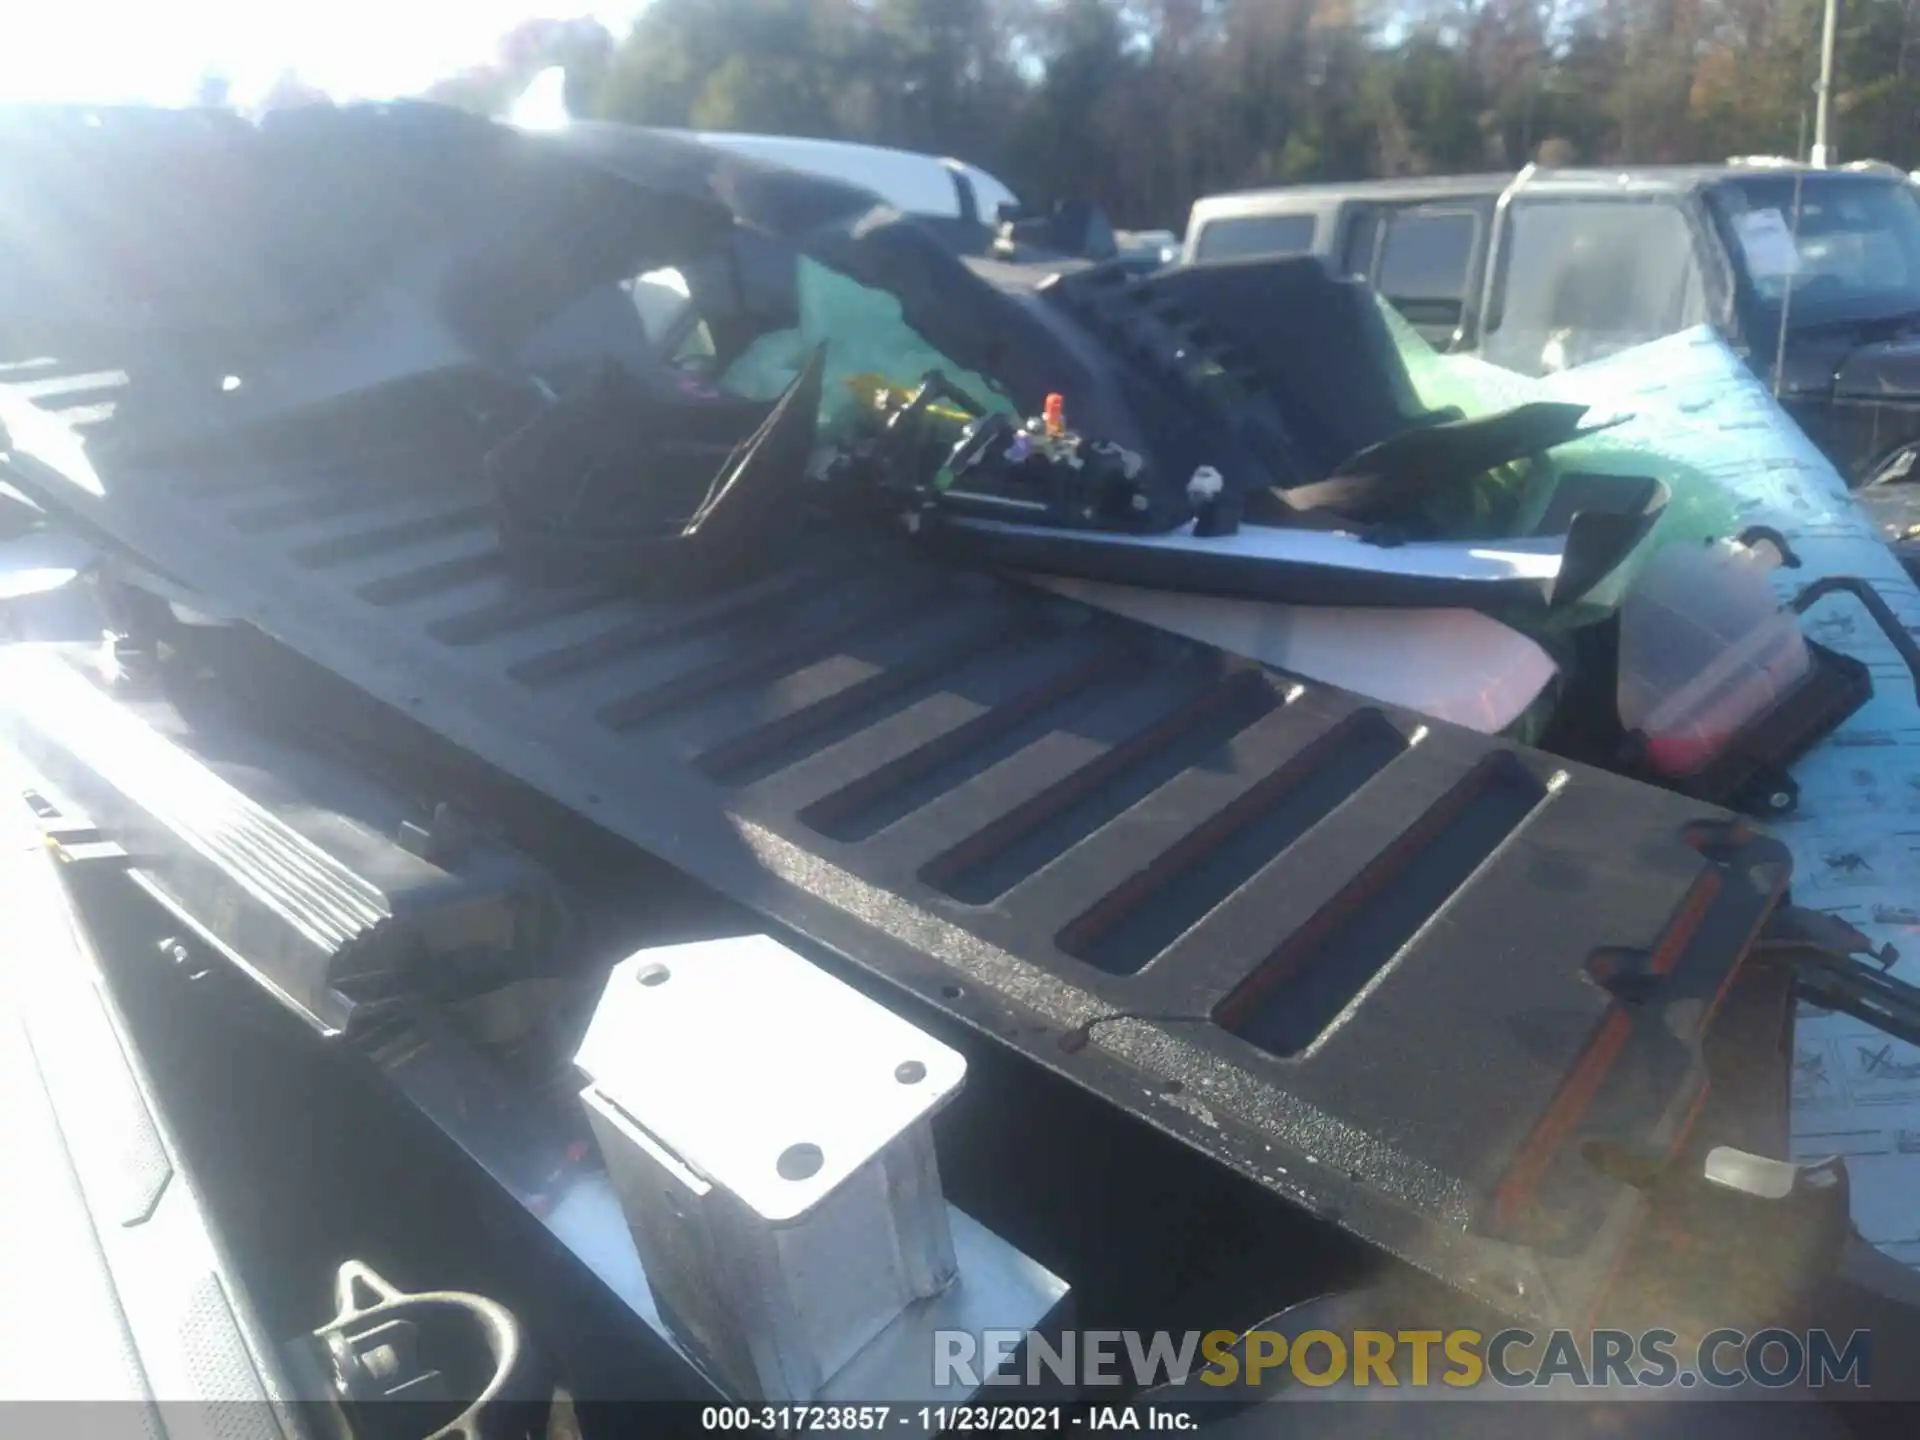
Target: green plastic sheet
[
  {"x": 867, "y": 340},
  {"x": 1699, "y": 509}
]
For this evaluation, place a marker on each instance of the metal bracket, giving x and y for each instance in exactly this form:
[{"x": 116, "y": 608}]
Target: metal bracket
[
  {"x": 768, "y": 1131},
  {"x": 1825, "y": 954}
]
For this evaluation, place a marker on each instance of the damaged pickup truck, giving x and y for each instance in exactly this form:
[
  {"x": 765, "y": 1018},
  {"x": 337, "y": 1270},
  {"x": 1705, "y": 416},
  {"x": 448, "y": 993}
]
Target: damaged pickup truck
[{"x": 644, "y": 785}]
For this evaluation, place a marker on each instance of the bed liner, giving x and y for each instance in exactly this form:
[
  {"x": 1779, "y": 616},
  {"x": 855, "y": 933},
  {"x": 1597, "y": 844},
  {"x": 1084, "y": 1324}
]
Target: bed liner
[{"x": 1345, "y": 950}]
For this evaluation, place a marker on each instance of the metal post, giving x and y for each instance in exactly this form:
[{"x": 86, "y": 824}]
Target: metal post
[{"x": 1822, "y": 148}]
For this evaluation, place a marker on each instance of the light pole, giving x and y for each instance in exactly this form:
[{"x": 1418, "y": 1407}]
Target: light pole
[{"x": 1823, "y": 98}]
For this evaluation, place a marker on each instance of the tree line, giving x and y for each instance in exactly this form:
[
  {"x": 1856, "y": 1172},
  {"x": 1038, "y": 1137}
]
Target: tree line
[{"x": 1143, "y": 105}]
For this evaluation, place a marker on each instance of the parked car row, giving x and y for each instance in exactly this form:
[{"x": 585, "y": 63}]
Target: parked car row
[{"x": 1812, "y": 275}]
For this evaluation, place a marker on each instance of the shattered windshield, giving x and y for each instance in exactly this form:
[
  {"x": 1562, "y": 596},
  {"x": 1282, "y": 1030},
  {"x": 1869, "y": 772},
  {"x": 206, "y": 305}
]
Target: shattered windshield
[{"x": 1848, "y": 247}]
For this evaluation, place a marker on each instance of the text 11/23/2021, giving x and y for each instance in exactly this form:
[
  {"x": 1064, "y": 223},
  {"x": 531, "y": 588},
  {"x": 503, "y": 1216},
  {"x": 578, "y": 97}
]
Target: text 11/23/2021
[{"x": 935, "y": 1419}]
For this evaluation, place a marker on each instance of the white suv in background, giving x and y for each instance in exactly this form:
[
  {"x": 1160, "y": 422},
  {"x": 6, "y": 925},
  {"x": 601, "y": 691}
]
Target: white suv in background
[{"x": 926, "y": 187}]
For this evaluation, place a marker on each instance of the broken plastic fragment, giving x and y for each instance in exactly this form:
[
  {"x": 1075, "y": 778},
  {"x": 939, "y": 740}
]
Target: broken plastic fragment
[{"x": 1705, "y": 649}]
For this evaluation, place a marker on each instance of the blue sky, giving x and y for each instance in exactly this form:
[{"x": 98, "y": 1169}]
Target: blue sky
[{"x": 108, "y": 51}]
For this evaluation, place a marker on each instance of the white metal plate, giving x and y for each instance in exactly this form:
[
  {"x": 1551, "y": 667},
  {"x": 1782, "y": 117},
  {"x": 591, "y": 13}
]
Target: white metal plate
[{"x": 760, "y": 1070}]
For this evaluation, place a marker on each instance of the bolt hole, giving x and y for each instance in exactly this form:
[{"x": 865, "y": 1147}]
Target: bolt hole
[
  {"x": 800, "y": 1162},
  {"x": 910, "y": 1072},
  {"x": 951, "y": 992},
  {"x": 653, "y": 975}
]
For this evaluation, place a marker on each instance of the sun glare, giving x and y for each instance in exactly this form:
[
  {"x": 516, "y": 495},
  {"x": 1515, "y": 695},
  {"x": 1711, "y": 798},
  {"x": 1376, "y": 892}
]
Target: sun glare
[{"x": 132, "y": 51}]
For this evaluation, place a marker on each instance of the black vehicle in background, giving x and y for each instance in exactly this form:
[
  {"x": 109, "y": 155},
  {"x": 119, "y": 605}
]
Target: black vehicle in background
[{"x": 1812, "y": 275}]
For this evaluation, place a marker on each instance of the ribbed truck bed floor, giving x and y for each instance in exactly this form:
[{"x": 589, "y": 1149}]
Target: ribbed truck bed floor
[{"x": 1347, "y": 951}]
